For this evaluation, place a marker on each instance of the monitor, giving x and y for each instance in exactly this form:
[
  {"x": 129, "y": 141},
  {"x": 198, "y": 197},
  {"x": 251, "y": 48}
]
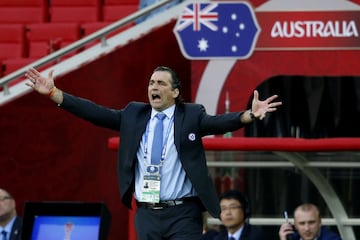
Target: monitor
[{"x": 65, "y": 221}]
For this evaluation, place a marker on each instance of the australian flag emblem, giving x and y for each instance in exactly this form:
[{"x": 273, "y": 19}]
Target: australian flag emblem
[{"x": 217, "y": 30}]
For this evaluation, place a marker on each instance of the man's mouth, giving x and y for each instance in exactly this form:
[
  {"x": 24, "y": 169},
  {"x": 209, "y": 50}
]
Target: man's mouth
[{"x": 155, "y": 97}]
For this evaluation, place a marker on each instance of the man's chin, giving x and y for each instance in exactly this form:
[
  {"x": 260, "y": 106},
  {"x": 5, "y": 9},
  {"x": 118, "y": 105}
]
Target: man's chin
[
  {"x": 230, "y": 225},
  {"x": 308, "y": 238},
  {"x": 155, "y": 105}
]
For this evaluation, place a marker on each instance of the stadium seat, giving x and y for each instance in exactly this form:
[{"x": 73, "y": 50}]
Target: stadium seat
[
  {"x": 23, "y": 11},
  {"x": 12, "y": 64},
  {"x": 78, "y": 11},
  {"x": 12, "y": 41},
  {"x": 117, "y": 9},
  {"x": 48, "y": 37},
  {"x": 89, "y": 28}
]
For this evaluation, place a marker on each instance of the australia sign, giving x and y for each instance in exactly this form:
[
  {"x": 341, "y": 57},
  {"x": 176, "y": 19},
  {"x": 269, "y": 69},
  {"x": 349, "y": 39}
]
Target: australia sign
[
  {"x": 217, "y": 30},
  {"x": 306, "y": 30}
]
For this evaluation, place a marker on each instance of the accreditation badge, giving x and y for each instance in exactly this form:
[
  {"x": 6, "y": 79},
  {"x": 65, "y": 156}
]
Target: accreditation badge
[{"x": 151, "y": 186}]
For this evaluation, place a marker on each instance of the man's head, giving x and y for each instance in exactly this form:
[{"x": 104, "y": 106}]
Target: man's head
[
  {"x": 164, "y": 88},
  {"x": 7, "y": 207},
  {"x": 307, "y": 221},
  {"x": 234, "y": 210}
]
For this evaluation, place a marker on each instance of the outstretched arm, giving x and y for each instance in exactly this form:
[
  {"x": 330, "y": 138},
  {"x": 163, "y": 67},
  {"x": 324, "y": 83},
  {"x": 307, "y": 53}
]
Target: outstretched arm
[
  {"x": 260, "y": 108},
  {"x": 44, "y": 85}
]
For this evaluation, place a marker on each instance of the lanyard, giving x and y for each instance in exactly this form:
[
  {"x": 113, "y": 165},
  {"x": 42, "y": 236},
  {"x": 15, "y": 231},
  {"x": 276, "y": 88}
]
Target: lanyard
[{"x": 163, "y": 152}]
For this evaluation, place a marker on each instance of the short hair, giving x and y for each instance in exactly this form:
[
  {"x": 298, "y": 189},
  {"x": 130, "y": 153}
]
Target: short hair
[
  {"x": 176, "y": 83},
  {"x": 239, "y": 196},
  {"x": 307, "y": 207}
]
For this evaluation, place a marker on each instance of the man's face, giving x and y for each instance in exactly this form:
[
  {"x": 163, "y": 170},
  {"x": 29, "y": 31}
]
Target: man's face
[
  {"x": 7, "y": 206},
  {"x": 160, "y": 92},
  {"x": 232, "y": 214},
  {"x": 307, "y": 223}
]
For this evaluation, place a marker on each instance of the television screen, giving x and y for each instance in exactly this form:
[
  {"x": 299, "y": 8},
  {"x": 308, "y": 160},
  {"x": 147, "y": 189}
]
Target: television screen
[
  {"x": 50, "y": 227},
  {"x": 65, "y": 221}
]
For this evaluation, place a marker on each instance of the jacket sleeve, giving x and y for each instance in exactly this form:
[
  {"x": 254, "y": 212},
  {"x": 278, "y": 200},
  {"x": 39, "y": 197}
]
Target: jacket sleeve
[{"x": 92, "y": 112}]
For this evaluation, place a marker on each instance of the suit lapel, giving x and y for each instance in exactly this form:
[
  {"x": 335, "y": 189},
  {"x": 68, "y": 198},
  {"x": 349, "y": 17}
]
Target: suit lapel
[
  {"x": 16, "y": 229},
  {"x": 178, "y": 122},
  {"x": 140, "y": 128}
]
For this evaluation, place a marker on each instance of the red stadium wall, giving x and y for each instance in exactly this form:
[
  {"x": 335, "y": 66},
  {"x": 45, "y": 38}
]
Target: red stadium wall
[
  {"x": 47, "y": 154},
  {"x": 247, "y": 74}
]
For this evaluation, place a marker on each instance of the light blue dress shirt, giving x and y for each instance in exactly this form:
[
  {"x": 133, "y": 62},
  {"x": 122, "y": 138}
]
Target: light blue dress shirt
[
  {"x": 8, "y": 228},
  {"x": 174, "y": 183},
  {"x": 237, "y": 234}
]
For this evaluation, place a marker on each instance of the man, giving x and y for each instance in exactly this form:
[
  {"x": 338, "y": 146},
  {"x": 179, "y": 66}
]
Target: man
[
  {"x": 10, "y": 223},
  {"x": 178, "y": 184},
  {"x": 235, "y": 211},
  {"x": 307, "y": 221}
]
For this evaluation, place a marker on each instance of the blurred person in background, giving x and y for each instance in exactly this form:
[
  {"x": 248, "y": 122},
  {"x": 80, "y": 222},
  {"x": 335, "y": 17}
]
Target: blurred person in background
[
  {"x": 235, "y": 213},
  {"x": 10, "y": 223},
  {"x": 307, "y": 226}
]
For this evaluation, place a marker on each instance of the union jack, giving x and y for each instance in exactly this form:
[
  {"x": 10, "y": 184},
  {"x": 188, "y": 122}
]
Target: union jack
[{"x": 197, "y": 16}]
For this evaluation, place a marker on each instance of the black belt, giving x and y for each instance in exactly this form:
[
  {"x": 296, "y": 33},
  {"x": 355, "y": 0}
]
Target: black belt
[{"x": 166, "y": 203}]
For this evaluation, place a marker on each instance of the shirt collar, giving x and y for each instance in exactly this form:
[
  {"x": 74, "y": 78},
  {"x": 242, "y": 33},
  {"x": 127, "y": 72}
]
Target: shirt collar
[
  {"x": 237, "y": 234},
  {"x": 169, "y": 112},
  {"x": 8, "y": 226}
]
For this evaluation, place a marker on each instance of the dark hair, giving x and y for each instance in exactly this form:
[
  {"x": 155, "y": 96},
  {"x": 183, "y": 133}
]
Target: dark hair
[
  {"x": 241, "y": 197},
  {"x": 176, "y": 83}
]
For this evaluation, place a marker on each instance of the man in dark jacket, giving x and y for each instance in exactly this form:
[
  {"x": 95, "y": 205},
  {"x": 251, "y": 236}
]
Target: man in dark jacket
[
  {"x": 167, "y": 173},
  {"x": 10, "y": 223},
  {"x": 235, "y": 212},
  {"x": 307, "y": 223}
]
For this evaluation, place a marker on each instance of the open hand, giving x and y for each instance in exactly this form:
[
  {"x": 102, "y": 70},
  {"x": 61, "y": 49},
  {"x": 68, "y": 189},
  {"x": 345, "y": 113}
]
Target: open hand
[
  {"x": 260, "y": 108},
  {"x": 38, "y": 82}
]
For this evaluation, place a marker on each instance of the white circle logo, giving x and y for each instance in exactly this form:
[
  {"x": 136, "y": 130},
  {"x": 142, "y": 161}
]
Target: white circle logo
[{"x": 191, "y": 136}]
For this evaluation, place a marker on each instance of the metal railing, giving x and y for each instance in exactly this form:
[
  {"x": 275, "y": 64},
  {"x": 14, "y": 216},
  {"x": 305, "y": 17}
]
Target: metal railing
[{"x": 98, "y": 35}]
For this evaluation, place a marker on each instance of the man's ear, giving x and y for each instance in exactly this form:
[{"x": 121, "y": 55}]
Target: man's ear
[{"x": 176, "y": 92}]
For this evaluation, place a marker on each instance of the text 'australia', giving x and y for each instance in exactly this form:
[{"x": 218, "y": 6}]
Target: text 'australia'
[{"x": 312, "y": 29}]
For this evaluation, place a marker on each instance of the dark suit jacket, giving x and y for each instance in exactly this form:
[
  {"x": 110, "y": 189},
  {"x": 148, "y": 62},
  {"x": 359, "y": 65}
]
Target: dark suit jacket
[
  {"x": 190, "y": 120},
  {"x": 250, "y": 232},
  {"x": 16, "y": 229},
  {"x": 325, "y": 234}
]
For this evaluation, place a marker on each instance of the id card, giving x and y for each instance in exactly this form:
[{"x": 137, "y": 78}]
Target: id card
[{"x": 151, "y": 188}]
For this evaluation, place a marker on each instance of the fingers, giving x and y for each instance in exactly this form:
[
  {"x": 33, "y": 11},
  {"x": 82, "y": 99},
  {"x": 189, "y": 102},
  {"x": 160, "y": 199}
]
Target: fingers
[
  {"x": 51, "y": 73},
  {"x": 29, "y": 85},
  {"x": 32, "y": 73},
  {"x": 256, "y": 95},
  {"x": 35, "y": 78},
  {"x": 285, "y": 229},
  {"x": 273, "y": 106},
  {"x": 32, "y": 79},
  {"x": 268, "y": 100},
  {"x": 272, "y": 98}
]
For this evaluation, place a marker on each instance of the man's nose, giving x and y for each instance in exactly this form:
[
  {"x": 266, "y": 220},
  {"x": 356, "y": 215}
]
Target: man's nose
[{"x": 155, "y": 85}]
